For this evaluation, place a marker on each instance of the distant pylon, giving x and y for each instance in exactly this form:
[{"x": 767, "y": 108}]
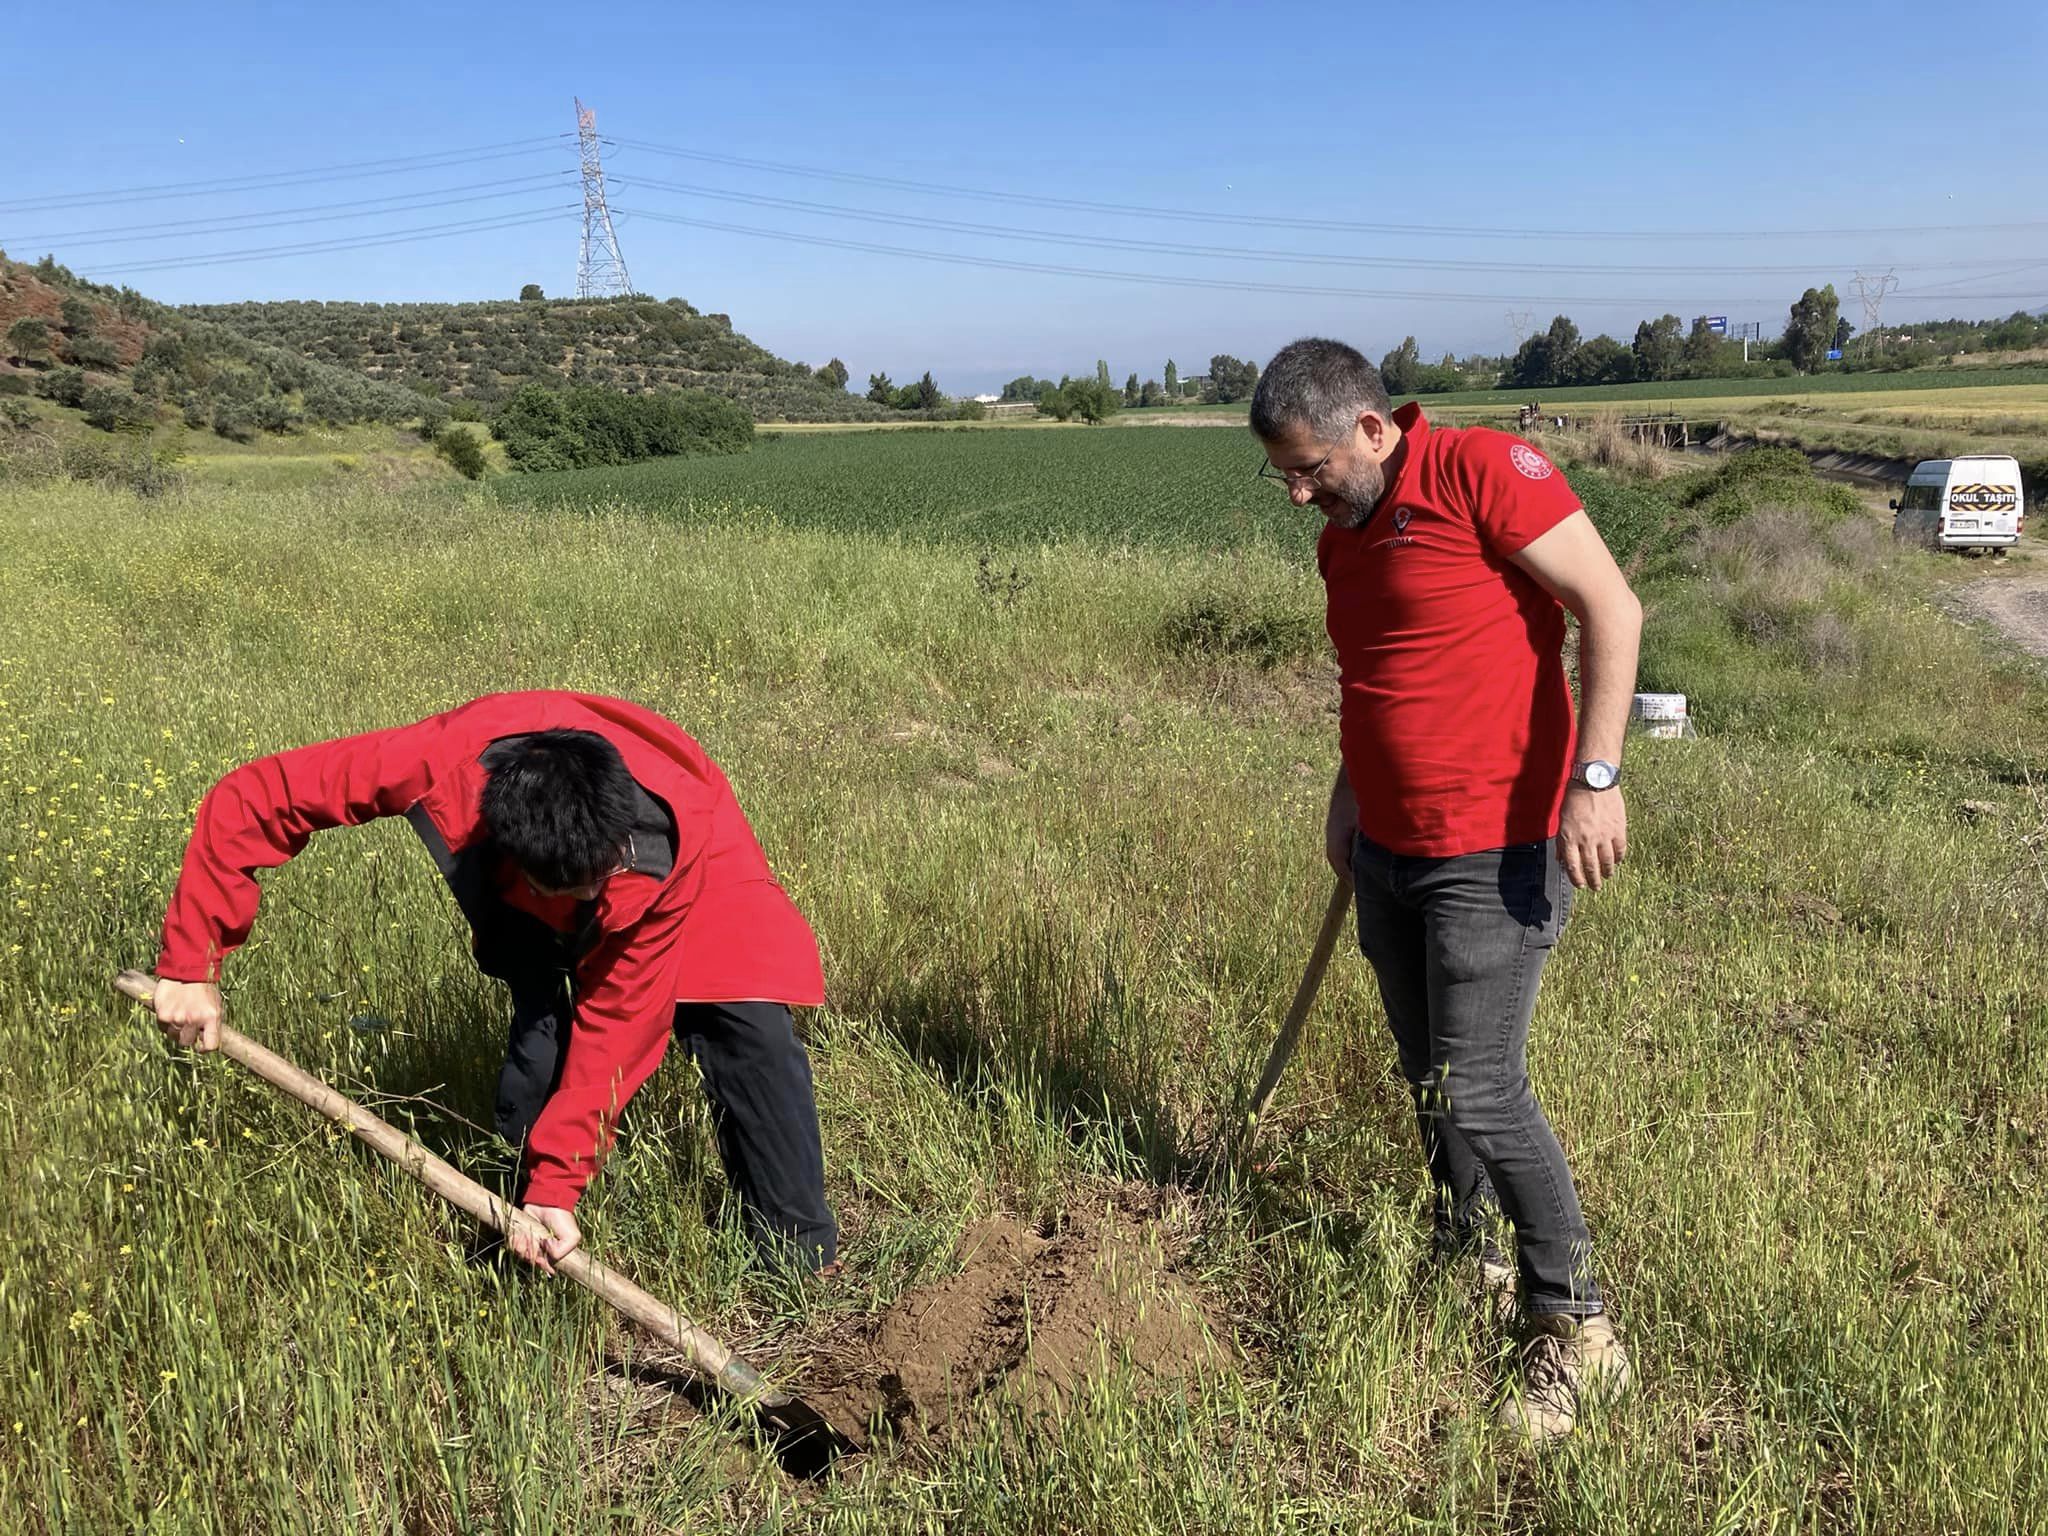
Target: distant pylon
[
  {"x": 601, "y": 271},
  {"x": 1518, "y": 322},
  {"x": 1871, "y": 287}
]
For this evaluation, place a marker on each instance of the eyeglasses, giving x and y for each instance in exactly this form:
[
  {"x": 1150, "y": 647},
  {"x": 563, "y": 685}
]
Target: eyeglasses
[{"x": 1288, "y": 479}]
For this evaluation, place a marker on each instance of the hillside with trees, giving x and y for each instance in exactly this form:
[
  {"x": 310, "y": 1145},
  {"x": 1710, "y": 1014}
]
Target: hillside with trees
[
  {"x": 128, "y": 363},
  {"x": 484, "y": 353}
]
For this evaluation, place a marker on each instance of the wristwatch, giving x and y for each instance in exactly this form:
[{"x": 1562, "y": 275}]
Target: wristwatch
[{"x": 1596, "y": 774}]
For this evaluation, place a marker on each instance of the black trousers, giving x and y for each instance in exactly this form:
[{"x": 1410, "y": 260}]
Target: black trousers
[{"x": 758, "y": 1080}]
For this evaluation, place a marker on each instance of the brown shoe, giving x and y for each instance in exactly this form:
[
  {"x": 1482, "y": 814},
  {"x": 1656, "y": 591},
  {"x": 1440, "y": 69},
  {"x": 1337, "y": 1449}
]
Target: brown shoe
[{"x": 1567, "y": 1362}]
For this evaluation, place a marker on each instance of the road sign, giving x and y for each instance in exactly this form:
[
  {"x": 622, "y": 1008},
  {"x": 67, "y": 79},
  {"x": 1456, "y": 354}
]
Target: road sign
[
  {"x": 1834, "y": 354},
  {"x": 1718, "y": 324}
]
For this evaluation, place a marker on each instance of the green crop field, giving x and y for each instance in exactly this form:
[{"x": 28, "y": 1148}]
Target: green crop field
[
  {"x": 1915, "y": 381},
  {"x": 1189, "y": 488},
  {"x": 1911, "y": 380},
  {"x": 1057, "y": 820}
]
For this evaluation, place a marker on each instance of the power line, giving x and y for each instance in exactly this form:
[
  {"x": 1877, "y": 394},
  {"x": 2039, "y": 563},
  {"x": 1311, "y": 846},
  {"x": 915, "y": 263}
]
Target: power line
[
  {"x": 309, "y": 248},
  {"x": 1238, "y": 253},
  {"x": 1159, "y": 279},
  {"x": 351, "y": 171},
  {"x": 1263, "y": 221},
  {"x": 411, "y": 202},
  {"x": 1931, "y": 289}
]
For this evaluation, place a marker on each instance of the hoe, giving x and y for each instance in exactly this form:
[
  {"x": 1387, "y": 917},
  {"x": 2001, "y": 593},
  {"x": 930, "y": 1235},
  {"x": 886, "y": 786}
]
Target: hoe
[
  {"x": 803, "y": 1438},
  {"x": 1304, "y": 998}
]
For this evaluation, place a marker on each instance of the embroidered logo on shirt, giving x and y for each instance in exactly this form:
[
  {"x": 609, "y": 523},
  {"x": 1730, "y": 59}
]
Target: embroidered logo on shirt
[
  {"x": 1402, "y": 515},
  {"x": 1530, "y": 462}
]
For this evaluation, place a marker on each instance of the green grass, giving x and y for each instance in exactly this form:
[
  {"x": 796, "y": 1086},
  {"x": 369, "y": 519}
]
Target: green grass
[
  {"x": 1063, "y": 852},
  {"x": 1186, "y": 488},
  {"x": 312, "y": 455}
]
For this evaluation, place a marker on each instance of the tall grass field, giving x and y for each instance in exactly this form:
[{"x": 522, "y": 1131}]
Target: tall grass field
[{"x": 1047, "y": 775}]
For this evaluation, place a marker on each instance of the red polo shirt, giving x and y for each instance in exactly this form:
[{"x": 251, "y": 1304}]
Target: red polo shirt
[{"x": 1456, "y": 720}]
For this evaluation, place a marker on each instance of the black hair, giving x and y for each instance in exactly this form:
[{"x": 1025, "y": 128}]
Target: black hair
[{"x": 560, "y": 803}]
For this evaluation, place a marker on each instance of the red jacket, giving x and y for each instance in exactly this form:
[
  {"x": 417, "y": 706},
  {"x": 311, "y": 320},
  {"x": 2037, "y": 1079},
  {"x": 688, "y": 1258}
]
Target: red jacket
[{"x": 715, "y": 928}]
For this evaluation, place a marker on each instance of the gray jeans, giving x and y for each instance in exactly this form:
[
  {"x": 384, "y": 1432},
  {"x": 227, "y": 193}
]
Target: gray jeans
[{"x": 1458, "y": 945}]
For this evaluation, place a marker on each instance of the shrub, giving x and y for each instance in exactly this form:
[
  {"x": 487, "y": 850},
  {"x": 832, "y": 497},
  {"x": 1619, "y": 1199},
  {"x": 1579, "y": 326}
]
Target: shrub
[
  {"x": 137, "y": 470},
  {"x": 460, "y": 447},
  {"x": 1791, "y": 580},
  {"x": 152, "y": 382},
  {"x": 113, "y": 409},
  {"x": 538, "y": 432},
  {"x": 1261, "y": 618},
  {"x": 66, "y": 386},
  {"x": 578, "y": 428},
  {"x": 233, "y": 421},
  {"x": 1747, "y": 482},
  {"x": 29, "y": 456},
  {"x": 28, "y": 339},
  {"x": 272, "y": 414},
  {"x": 93, "y": 352},
  {"x": 17, "y": 413}
]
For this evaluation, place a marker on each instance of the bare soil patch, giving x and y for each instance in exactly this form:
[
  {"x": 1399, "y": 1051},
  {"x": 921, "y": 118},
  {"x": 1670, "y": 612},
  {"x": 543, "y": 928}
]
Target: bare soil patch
[
  {"x": 2016, "y": 606},
  {"x": 1031, "y": 1314}
]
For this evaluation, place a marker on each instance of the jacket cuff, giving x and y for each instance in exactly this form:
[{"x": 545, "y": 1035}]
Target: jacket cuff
[
  {"x": 172, "y": 965},
  {"x": 552, "y": 1186}
]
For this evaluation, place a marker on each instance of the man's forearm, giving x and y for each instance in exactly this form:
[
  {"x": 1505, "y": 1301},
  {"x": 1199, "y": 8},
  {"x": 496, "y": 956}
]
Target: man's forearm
[{"x": 1609, "y": 638}]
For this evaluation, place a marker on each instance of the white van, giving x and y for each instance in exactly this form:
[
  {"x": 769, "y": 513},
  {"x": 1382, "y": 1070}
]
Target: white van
[{"x": 1973, "y": 503}]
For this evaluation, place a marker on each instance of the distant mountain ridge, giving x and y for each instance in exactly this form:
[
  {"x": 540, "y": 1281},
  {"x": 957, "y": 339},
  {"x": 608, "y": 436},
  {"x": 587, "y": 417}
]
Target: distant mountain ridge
[{"x": 483, "y": 352}]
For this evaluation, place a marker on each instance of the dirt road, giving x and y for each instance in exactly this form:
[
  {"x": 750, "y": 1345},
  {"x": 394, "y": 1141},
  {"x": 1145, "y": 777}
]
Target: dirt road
[{"x": 2015, "y": 604}]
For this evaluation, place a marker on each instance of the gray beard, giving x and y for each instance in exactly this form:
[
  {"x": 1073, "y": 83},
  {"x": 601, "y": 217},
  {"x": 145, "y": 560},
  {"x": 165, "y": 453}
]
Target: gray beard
[{"x": 1361, "y": 492}]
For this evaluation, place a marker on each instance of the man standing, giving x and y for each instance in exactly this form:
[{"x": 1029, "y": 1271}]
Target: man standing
[
  {"x": 611, "y": 881},
  {"x": 1465, "y": 811}
]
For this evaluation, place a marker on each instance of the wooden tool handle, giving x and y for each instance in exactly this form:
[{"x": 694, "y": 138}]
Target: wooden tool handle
[
  {"x": 1304, "y": 998},
  {"x": 703, "y": 1352}
]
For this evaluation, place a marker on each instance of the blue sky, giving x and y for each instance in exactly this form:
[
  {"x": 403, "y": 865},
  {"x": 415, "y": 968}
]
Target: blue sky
[{"x": 1610, "y": 122}]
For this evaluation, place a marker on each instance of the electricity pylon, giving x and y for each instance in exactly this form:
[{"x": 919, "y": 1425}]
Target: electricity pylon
[{"x": 601, "y": 272}]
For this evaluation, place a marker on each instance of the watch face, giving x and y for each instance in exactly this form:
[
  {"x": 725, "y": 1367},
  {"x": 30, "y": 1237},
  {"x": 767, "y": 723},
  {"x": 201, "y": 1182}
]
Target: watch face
[{"x": 1598, "y": 775}]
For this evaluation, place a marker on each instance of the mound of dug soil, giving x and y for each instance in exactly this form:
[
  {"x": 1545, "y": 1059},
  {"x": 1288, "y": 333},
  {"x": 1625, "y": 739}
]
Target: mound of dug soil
[{"x": 1027, "y": 1319}]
